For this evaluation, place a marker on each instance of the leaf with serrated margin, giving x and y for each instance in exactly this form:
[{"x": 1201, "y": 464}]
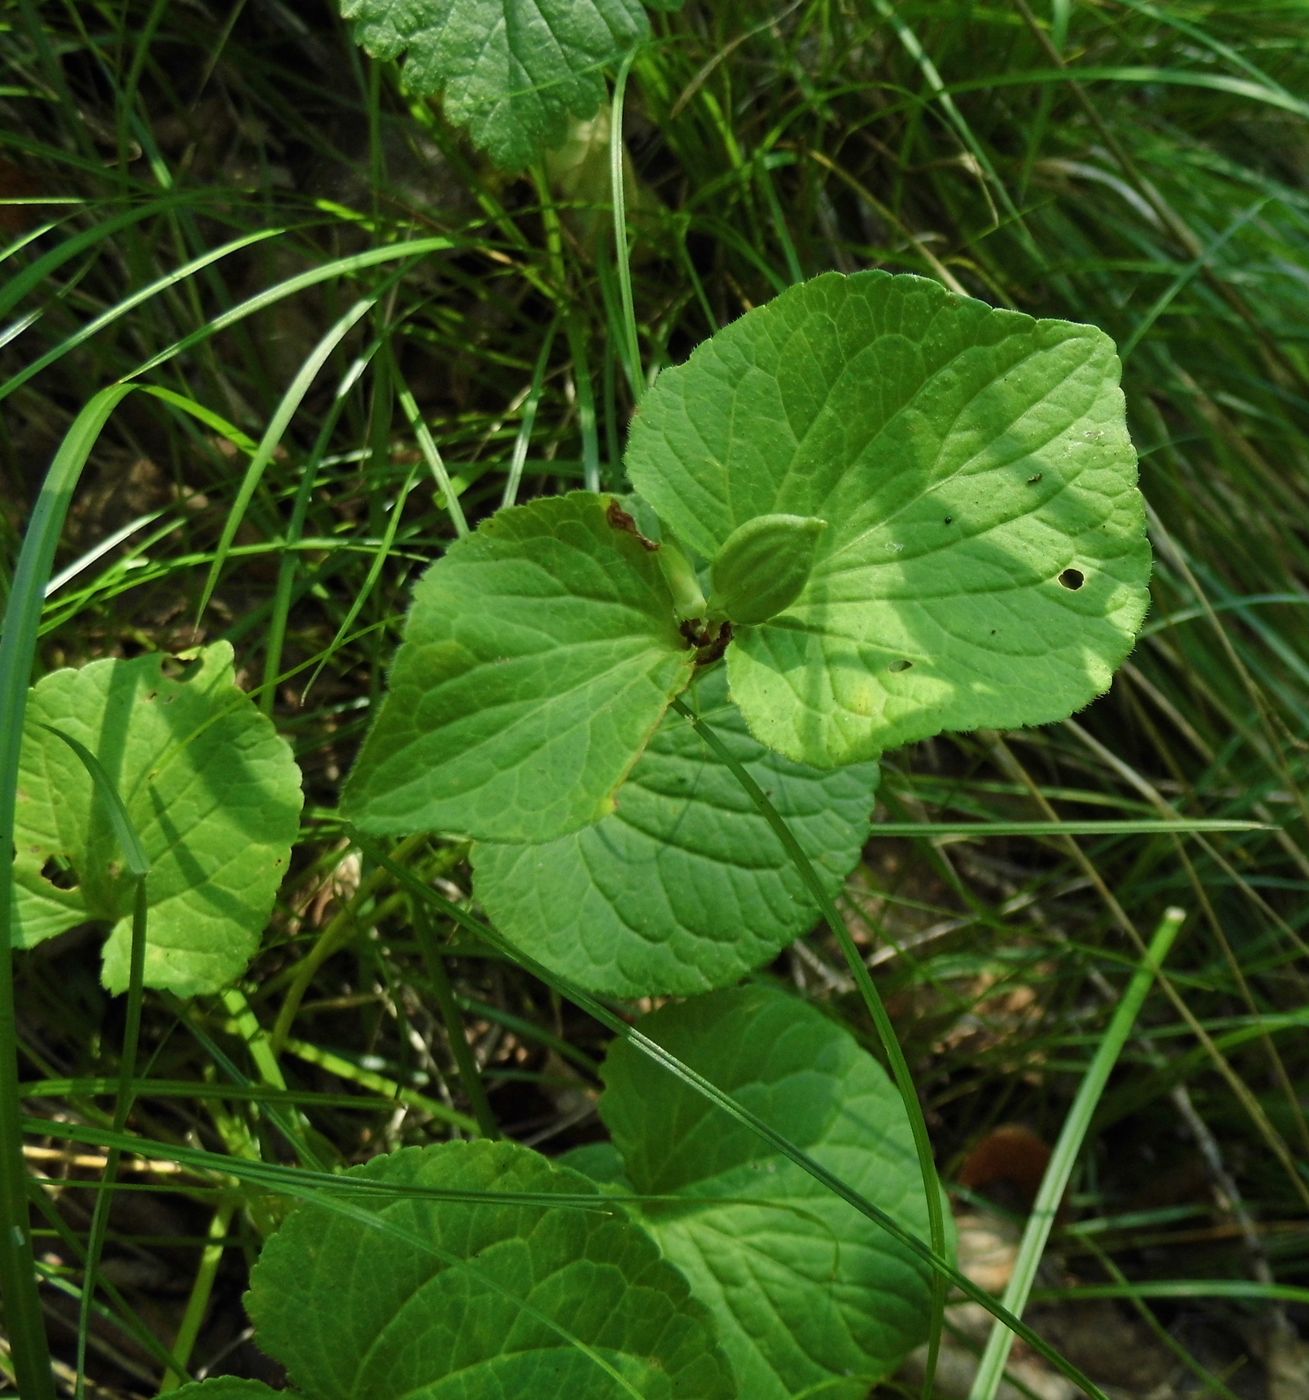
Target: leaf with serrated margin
[
  {"x": 512, "y": 71},
  {"x": 462, "y": 1299},
  {"x": 986, "y": 562},
  {"x": 810, "y": 1296},
  {"x": 212, "y": 791},
  {"x": 539, "y": 656},
  {"x": 685, "y": 887}
]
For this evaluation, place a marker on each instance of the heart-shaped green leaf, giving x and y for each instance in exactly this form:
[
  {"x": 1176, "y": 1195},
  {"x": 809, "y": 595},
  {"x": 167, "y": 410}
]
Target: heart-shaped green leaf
[
  {"x": 684, "y": 887},
  {"x": 539, "y": 657},
  {"x": 810, "y": 1296},
  {"x": 986, "y": 561},
  {"x": 473, "y": 1296},
  {"x": 512, "y": 71},
  {"x": 210, "y": 788}
]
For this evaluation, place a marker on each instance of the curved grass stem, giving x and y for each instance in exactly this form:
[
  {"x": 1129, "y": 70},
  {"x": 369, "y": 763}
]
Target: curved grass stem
[{"x": 25, "y": 1324}]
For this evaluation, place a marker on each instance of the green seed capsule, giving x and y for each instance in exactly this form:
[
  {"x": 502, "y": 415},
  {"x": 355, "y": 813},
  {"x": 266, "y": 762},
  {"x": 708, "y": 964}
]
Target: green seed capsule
[{"x": 763, "y": 565}]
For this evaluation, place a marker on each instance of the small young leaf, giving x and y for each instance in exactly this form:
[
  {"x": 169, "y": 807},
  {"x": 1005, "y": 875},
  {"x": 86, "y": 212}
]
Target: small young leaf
[
  {"x": 986, "y": 562},
  {"x": 763, "y": 565},
  {"x": 684, "y": 887},
  {"x": 810, "y": 1296},
  {"x": 539, "y": 657},
  {"x": 459, "y": 1299},
  {"x": 211, "y": 790},
  {"x": 512, "y": 71}
]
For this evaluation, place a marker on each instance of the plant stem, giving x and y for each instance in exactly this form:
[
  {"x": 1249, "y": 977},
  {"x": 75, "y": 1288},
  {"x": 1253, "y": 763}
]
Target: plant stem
[
  {"x": 469, "y": 1073},
  {"x": 293, "y": 1125},
  {"x": 122, "y": 1108},
  {"x": 336, "y": 935},
  {"x": 197, "y": 1303}
]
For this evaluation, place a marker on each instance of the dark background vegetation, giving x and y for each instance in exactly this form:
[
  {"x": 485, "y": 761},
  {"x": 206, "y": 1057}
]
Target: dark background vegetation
[{"x": 1139, "y": 166}]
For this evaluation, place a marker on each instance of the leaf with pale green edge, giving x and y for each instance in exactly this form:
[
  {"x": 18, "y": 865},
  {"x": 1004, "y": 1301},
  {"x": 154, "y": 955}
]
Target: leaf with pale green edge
[
  {"x": 210, "y": 788},
  {"x": 512, "y": 71},
  {"x": 539, "y": 656},
  {"x": 460, "y": 1299},
  {"x": 685, "y": 886},
  {"x": 810, "y": 1296},
  {"x": 986, "y": 562},
  {"x": 227, "y": 1388}
]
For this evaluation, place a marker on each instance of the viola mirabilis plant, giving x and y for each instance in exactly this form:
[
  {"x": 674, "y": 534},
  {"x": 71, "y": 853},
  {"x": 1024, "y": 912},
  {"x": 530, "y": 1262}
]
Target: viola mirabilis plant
[
  {"x": 868, "y": 512},
  {"x": 892, "y": 511}
]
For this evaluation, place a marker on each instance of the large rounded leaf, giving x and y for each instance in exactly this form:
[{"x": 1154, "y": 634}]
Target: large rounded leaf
[
  {"x": 685, "y": 887},
  {"x": 211, "y": 789},
  {"x": 986, "y": 561},
  {"x": 810, "y": 1296},
  {"x": 539, "y": 656},
  {"x": 461, "y": 1299}
]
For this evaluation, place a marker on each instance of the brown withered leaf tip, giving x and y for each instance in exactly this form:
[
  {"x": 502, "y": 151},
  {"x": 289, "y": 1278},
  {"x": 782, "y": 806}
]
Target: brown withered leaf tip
[{"x": 621, "y": 520}]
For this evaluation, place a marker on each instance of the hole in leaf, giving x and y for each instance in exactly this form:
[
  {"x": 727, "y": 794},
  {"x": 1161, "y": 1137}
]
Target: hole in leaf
[
  {"x": 901, "y": 665},
  {"x": 59, "y": 874},
  {"x": 1072, "y": 579}
]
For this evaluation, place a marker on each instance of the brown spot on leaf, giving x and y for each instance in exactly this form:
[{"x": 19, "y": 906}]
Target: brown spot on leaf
[{"x": 621, "y": 520}]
